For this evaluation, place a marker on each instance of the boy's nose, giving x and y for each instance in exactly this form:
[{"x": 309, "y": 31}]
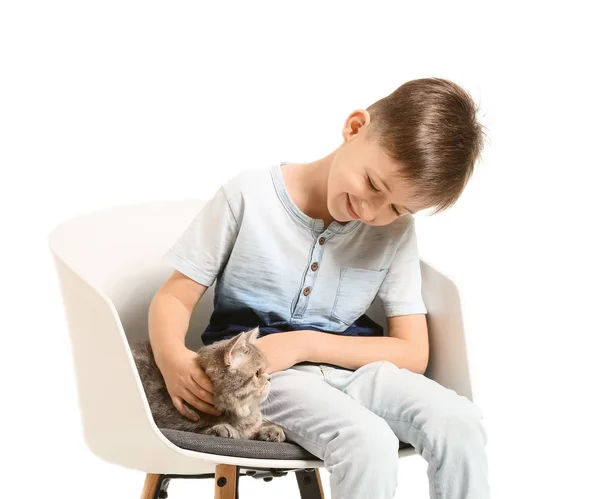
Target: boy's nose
[{"x": 370, "y": 209}]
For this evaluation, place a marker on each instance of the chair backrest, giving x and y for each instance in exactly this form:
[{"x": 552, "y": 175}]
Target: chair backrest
[
  {"x": 119, "y": 251},
  {"x": 110, "y": 265}
]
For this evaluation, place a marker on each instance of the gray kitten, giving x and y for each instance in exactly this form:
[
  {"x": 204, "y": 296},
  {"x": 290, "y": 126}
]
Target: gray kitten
[{"x": 237, "y": 369}]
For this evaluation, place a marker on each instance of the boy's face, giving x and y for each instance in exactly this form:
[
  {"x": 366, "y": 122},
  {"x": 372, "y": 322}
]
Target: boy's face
[{"x": 363, "y": 181}]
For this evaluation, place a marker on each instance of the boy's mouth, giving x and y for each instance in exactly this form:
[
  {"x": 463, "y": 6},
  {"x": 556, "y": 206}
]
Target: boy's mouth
[{"x": 350, "y": 208}]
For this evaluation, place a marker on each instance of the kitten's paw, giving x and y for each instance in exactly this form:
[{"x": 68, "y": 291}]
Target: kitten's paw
[
  {"x": 270, "y": 433},
  {"x": 223, "y": 430}
]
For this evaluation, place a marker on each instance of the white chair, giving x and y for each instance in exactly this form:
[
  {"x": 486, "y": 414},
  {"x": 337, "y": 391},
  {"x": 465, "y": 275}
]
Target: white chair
[{"x": 110, "y": 265}]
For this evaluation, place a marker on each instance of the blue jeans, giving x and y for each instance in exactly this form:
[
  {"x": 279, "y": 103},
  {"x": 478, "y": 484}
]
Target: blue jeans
[{"x": 353, "y": 421}]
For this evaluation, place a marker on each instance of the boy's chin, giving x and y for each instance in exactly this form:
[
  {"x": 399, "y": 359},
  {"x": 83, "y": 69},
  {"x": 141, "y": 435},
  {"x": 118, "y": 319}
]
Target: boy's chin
[
  {"x": 338, "y": 213},
  {"x": 339, "y": 216},
  {"x": 343, "y": 219}
]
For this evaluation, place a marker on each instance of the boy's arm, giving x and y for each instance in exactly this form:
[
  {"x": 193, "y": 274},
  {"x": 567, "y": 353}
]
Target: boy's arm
[
  {"x": 407, "y": 346},
  {"x": 168, "y": 322},
  {"x": 170, "y": 312}
]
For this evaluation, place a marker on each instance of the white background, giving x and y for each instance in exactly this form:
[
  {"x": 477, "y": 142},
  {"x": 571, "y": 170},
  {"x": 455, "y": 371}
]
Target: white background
[{"x": 108, "y": 103}]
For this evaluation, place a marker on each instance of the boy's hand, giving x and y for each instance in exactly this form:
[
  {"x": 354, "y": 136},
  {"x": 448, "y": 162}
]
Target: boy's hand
[
  {"x": 283, "y": 350},
  {"x": 186, "y": 380}
]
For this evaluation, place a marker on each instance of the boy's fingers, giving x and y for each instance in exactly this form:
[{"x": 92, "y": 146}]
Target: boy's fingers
[
  {"x": 202, "y": 380},
  {"x": 200, "y": 404},
  {"x": 180, "y": 406},
  {"x": 202, "y": 394}
]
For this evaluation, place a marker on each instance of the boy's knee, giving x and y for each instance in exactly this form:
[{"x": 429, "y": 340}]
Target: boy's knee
[
  {"x": 459, "y": 421},
  {"x": 370, "y": 441}
]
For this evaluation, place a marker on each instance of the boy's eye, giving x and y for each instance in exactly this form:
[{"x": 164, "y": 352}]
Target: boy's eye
[
  {"x": 375, "y": 189},
  {"x": 371, "y": 185}
]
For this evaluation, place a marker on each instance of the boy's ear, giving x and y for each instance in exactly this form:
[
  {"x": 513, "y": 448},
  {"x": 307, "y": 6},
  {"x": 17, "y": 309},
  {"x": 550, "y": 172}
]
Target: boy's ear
[{"x": 232, "y": 358}]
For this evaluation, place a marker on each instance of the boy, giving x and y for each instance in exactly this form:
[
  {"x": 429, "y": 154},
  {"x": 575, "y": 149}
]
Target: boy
[{"x": 301, "y": 250}]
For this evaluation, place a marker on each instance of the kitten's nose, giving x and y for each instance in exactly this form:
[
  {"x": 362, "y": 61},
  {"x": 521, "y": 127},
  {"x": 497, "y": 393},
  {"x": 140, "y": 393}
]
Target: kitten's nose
[{"x": 268, "y": 377}]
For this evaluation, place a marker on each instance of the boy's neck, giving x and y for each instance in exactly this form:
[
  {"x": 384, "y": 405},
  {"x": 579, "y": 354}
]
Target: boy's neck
[{"x": 307, "y": 185}]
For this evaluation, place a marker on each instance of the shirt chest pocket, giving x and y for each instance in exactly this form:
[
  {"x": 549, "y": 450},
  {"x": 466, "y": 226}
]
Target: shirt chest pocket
[{"x": 356, "y": 291}]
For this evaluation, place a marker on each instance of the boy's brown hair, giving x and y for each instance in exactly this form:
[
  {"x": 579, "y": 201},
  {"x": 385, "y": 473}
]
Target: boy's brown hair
[{"x": 430, "y": 126}]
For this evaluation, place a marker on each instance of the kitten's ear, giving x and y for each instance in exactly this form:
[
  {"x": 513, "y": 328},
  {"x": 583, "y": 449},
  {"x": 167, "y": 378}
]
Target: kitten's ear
[
  {"x": 252, "y": 335},
  {"x": 230, "y": 358}
]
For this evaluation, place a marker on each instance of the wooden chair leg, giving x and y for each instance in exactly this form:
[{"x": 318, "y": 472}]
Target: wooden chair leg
[
  {"x": 226, "y": 481},
  {"x": 309, "y": 483},
  {"x": 155, "y": 487}
]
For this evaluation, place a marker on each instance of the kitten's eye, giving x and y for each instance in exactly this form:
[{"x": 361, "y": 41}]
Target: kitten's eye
[
  {"x": 396, "y": 211},
  {"x": 257, "y": 374}
]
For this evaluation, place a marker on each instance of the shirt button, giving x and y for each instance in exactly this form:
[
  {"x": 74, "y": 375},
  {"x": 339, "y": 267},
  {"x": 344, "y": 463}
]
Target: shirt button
[
  {"x": 306, "y": 291},
  {"x": 322, "y": 241},
  {"x": 314, "y": 266}
]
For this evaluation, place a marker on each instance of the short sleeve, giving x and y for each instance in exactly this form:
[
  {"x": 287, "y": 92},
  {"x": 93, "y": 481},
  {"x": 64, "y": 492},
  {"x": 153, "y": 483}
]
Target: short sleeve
[
  {"x": 400, "y": 291},
  {"x": 203, "y": 249}
]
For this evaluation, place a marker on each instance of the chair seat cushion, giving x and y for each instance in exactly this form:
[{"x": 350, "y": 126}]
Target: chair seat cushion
[
  {"x": 241, "y": 448},
  {"x": 237, "y": 448}
]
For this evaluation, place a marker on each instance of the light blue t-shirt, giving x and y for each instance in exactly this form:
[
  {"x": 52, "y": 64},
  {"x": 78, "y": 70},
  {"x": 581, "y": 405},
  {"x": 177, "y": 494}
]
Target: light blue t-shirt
[{"x": 279, "y": 269}]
